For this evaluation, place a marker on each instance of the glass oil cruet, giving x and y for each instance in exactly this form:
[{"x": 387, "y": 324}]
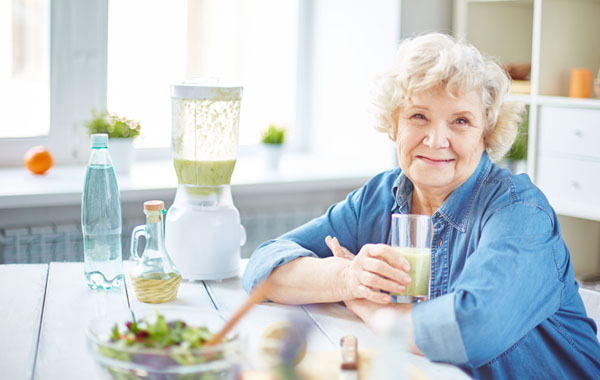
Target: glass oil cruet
[{"x": 155, "y": 278}]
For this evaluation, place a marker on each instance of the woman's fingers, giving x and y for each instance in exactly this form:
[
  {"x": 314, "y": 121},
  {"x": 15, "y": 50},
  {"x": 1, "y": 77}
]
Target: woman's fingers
[
  {"x": 343, "y": 249},
  {"x": 371, "y": 270},
  {"x": 383, "y": 269},
  {"x": 337, "y": 249},
  {"x": 374, "y": 281},
  {"x": 387, "y": 254},
  {"x": 373, "y": 295}
]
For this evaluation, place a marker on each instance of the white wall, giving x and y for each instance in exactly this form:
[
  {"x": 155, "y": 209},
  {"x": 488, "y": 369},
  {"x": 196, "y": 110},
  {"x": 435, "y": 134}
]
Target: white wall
[
  {"x": 350, "y": 43},
  {"x": 420, "y": 16}
]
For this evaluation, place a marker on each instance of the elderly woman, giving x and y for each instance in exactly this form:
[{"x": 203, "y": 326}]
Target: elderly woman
[{"x": 503, "y": 299}]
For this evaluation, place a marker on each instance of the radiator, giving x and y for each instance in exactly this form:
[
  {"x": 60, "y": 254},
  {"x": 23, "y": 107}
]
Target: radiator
[{"x": 64, "y": 242}]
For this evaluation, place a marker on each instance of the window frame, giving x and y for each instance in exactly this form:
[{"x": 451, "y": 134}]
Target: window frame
[
  {"x": 78, "y": 83},
  {"x": 78, "y": 40}
]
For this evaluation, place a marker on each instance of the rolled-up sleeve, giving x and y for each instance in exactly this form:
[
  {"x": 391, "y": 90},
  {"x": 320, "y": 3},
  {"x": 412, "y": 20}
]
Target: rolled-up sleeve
[
  {"x": 436, "y": 330},
  {"x": 340, "y": 220},
  {"x": 510, "y": 284}
]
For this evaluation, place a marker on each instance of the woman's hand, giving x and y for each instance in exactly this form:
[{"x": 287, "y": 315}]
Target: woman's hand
[
  {"x": 376, "y": 267},
  {"x": 367, "y": 310}
]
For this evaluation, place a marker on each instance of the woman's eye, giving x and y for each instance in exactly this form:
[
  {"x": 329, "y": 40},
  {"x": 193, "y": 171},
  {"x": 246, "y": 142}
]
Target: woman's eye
[
  {"x": 462, "y": 121},
  {"x": 418, "y": 116}
]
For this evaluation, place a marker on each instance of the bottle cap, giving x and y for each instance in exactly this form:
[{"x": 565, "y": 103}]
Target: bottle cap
[
  {"x": 154, "y": 205},
  {"x": 100, "y": 140}
]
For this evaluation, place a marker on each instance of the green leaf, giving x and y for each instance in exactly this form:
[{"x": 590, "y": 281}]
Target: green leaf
[
  {"x": 115, "y": 332},
  {"x": 134, "y": 327},
  {"x": 518, "y": 151},
  {"x": 273, "y": 135},
  {"x": 112, "y": 124}
]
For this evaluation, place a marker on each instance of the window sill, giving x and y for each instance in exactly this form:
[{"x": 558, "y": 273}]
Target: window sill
[{"x": 62, "y": 185}]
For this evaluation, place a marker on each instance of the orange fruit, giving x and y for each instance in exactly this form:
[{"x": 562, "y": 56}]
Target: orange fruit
[{"x": 38, "y": 160}]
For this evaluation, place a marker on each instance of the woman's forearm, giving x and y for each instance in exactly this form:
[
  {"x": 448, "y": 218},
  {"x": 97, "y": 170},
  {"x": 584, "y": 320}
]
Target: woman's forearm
[{"x": 309, "y": 280}]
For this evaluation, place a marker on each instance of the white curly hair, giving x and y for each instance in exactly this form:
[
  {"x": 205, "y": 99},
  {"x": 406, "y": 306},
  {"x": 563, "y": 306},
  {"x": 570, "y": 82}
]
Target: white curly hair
[{"x": 431, "y": 60}]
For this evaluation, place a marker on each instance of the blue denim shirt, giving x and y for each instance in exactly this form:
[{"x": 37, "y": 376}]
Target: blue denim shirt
[{"x": 504, "y": 301}]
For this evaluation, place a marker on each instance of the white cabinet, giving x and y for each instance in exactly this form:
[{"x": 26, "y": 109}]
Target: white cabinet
[
  {"x": 564, "y": 133},
  {"x": 571, "y": 185},
  {"x": 568, "y": 160},
  {"x": 568, "y": 131}
]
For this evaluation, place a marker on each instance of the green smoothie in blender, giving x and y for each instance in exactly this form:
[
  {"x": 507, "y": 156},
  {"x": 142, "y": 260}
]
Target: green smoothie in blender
[{"x": 204, "y": 173}]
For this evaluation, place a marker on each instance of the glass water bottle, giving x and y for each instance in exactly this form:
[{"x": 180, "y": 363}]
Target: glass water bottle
[{"x": 101, "y": 219}]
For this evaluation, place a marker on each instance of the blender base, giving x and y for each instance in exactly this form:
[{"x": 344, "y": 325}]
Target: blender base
[{"x": 203, "y": 234}]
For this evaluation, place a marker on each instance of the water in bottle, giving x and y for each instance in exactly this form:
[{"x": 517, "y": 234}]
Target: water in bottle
[{"x": 101, "y": 219}]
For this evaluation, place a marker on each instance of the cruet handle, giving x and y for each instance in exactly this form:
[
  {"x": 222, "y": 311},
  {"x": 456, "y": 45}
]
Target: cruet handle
[{"x": 136, "y": 233}]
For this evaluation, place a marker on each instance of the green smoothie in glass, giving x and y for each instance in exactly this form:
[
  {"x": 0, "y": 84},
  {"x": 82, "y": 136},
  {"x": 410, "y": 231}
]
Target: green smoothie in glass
[{"x": 420, "y": 269}]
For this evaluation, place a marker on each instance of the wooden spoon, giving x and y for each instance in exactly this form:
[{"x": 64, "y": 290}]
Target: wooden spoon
[{"x": 257, "y": 295}]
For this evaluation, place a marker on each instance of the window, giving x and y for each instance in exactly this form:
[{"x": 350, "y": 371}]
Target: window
[
  {"x": 349, "y": 44},
  {"x": 24, "y": 68},
  {"x": 304, "y": 64},
  {"x": 24, "y": 71},
  {"x": 51, "y": 75},
  {"x": 252, "y": 43}
]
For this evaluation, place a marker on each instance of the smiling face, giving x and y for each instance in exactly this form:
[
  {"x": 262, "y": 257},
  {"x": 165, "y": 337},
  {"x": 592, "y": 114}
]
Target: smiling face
[{"x": 440, "y": 139}]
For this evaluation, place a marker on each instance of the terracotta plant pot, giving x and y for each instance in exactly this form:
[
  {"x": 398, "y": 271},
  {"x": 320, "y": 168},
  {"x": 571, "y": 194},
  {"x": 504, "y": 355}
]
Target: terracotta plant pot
[{"x": 518, "y": 70}]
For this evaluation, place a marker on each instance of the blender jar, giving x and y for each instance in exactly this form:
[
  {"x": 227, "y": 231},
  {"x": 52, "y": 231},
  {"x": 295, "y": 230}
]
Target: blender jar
[
  {"x": 205, "y": 133},
  {"x": 203, "y": 228}
]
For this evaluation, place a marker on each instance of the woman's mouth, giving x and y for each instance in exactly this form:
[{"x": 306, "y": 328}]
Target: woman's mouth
[{"x": 438, "y": 162}]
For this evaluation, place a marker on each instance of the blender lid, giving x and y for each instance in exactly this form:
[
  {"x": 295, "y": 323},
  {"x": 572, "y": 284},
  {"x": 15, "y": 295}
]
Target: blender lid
[{"x": 205, "y": 90}]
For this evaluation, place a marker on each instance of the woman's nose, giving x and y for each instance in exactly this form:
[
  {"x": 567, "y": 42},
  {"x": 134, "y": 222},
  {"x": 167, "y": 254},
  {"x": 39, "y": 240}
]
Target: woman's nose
[{"x": 437, "y": 136}]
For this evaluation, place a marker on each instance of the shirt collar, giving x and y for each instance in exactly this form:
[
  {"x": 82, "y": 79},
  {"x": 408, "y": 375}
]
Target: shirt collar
[
  {"x": 402, "y": 192},
  {"x": 457, "y": 207}
]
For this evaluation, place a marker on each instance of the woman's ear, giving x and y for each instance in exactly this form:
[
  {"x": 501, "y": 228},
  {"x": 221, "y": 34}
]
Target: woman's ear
[{"x": 486, "y": 132}]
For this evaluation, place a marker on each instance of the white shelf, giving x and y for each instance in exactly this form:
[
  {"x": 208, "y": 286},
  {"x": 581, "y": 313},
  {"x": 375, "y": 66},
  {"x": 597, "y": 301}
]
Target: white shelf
[
  {"x": 575, "y": 210},
  {"x": 555, "y": 101},
  {"x": 501, "y": 1},
  {"x": 555, "y": 36},
  {"x": 527, "y": 99},
  {"x": 62, "y": 185},
  {"x": 561, "y": 101}
]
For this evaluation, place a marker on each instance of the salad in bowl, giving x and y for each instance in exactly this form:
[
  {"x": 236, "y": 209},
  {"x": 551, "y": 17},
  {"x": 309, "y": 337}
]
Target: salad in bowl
[{"x": 167, "y": 343}]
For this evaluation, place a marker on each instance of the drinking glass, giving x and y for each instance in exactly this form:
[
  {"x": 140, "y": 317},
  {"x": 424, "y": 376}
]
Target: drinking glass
[{"x": 411, "y": 238}]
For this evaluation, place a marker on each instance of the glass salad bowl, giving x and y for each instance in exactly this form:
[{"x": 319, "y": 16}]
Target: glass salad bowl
[{"x": 165, "y": 343}]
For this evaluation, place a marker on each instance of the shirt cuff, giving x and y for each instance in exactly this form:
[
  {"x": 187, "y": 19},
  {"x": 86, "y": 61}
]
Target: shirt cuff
[
  {"x": 436, "y": 330},
  {"x": 268, "y": 257}
]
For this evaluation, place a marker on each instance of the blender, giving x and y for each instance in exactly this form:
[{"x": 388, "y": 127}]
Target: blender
[{"x": 203, "y": 231}]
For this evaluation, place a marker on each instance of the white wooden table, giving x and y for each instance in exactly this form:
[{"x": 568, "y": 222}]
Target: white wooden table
[{"x": 45, "y": 308}]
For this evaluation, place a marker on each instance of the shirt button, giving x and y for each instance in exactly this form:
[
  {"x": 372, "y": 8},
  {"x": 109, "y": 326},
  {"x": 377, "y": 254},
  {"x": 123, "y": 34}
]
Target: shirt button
[{"x": 441, "y": 243}]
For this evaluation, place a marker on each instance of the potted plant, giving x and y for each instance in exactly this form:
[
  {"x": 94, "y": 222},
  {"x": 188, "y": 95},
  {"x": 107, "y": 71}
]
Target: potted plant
[
  {"x": 121, "y": 132},
  {"x": 272, "y": 139},
  {"x": 516, "y": 158}
]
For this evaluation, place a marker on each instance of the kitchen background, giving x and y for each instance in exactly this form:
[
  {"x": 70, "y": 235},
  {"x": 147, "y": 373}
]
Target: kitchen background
[{"x": 305, "y": 64}]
